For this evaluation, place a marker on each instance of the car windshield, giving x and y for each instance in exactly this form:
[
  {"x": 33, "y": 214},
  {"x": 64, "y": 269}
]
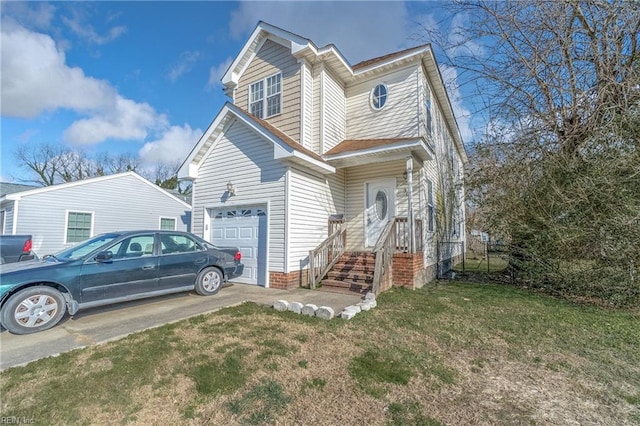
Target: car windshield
[{"x": 86, "y": 247}]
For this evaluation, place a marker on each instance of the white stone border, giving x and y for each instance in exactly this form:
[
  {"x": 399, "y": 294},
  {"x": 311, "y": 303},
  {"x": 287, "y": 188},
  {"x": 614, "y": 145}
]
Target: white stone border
[{"x": 326, "y": 312}]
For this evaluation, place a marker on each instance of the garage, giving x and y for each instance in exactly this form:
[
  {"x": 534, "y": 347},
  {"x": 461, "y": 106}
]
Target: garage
[{"x": 246, "y": 228}]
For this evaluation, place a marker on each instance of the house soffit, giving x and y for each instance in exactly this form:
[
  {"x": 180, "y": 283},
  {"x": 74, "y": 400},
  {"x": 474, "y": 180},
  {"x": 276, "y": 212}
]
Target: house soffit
[{"x": 369, "y": 151}]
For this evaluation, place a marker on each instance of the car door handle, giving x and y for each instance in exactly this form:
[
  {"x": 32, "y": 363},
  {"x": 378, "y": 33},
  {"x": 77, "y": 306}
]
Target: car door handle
[
  {"x": 145, "y": 268},
  {"x": 200, "y": 261}
]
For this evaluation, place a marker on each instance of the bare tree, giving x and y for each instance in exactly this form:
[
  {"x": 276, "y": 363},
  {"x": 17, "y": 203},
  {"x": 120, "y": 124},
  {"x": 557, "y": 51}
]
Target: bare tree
[
  {"x": 558, "y": 172},
  {"x": 43, "y": 161}
]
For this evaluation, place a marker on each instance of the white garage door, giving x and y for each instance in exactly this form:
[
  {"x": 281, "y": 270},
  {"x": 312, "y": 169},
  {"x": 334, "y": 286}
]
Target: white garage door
[{"x": 245, "y": 228}]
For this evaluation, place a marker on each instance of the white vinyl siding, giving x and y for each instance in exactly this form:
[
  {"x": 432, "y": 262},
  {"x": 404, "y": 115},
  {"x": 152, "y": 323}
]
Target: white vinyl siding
[
  {"x": 8, "y": 208},
  {"x": 313, "y": 200},
  {"x": 334, "y": 112},
  {"x": 246, "y": 159},
  {"x": 118, "y": 203},
  {"x": 400, "y": 115},
  {"x": 272, "y": 59},
  {"x": 318, "y": 78}
]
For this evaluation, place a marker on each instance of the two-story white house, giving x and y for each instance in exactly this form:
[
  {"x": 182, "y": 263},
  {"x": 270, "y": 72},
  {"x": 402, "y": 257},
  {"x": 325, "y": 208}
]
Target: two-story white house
[{"x": 310, "y": 147}]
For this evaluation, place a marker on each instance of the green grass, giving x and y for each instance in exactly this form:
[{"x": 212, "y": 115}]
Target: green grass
[
  {"x": 424, "y": 357},
  {"x": 494, "y": 263}
]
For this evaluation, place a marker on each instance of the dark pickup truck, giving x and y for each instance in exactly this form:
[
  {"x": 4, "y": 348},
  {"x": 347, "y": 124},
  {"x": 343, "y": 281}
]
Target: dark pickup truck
[{"x": 15, "y": 248}]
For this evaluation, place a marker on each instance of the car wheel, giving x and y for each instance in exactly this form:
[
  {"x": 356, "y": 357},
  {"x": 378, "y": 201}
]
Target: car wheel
[
  {"x": 33, "y": 309},
  {"x": 209, "y": 281}
]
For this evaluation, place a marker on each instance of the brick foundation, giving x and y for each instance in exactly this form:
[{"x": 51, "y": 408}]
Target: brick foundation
[
  {"x": 283, "y": 281},
  {"x": 408, "y": 270}
]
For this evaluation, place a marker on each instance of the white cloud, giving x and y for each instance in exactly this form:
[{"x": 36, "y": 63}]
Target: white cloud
[
  {"x": 216, "y": 72},
  {"x": 78, "y": 25},
  {"x": 186, "y": 62},
  {"x": 360, "y": 30},
  {"x": 174, "y": 145},
  {"x": 30, "y": 14},
  {"x": 124, "y": 120},
  {"x": 36, "y": 78}
]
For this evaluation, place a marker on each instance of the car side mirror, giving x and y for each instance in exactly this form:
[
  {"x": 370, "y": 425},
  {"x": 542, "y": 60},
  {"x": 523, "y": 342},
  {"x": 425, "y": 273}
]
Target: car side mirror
[{"x": 104, "y": 256}]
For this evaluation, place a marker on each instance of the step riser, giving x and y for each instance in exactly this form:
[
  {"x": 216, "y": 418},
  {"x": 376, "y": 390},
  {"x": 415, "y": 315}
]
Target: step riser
[
  {"x": 367, "y": 279},
  {"x": 352, "y": 273}
]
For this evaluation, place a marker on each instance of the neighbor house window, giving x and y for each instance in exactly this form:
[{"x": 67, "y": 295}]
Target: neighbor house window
[
  {"x": 168, "y": 223},
  {"x": 272, "y": 102},
  {"x": 379, "y": 96},
  {"x": 78, "y": 226},
  {"x": 430, "y": 207}
]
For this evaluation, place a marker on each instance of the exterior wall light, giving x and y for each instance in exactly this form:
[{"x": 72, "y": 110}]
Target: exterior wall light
[{"x": 231, "y": 189}]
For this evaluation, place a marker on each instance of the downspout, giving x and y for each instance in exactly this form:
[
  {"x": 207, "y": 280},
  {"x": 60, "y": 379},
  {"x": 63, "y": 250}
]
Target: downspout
[{"x": 412, "y": 236}]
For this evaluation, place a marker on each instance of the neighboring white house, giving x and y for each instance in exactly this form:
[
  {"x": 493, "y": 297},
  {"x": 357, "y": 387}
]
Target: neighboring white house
[
  {"x": 59, "y": 216},
  {"x": 306, "y": 136}
]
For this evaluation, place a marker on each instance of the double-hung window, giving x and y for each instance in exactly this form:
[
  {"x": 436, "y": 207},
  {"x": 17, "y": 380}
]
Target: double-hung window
[
  {"x": 168, "y": 223},
  {"x": 78, "y": 226},
  {"x": 269, "y": 102}
]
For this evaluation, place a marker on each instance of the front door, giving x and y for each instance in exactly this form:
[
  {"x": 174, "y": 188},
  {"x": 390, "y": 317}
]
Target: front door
[{"x": 380, "y": 208}]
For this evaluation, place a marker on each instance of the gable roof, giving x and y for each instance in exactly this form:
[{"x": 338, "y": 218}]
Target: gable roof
[
  {"x": 10, "y": 188},
  {"x": 304, "y": 49},
  {"x": 27, "y": 193},
  {"x": 284, "y": 147}
]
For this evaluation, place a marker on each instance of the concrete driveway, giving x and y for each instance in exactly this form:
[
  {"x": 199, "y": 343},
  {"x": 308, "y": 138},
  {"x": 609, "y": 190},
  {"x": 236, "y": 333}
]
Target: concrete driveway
[{"x": 99, "y": 325}]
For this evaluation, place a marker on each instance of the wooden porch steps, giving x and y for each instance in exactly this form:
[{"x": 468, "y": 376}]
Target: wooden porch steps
[{"x": 353, "y": 273}]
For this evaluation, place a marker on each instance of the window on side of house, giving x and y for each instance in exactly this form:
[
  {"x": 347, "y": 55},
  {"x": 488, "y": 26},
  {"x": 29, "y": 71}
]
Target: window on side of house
[
  {"x": 430, "y": 207},
  {"x": 168, "y": 223},
  {"x": 78, "y": 226},
  {"x": 256, "y": 98},
  {"x": 274, "y": 94},
  {"x": 265, "y": 96},
  {"x": 379, "y": 96}
]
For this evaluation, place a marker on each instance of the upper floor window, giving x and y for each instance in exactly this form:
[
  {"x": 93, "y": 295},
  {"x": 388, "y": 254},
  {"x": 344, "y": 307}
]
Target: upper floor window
[
  {"x": 379, "y": 96},
  {"x": 271, "y": 101}
]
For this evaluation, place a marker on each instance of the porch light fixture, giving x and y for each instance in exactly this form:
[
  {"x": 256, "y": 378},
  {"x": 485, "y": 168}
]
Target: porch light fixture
[{"x": 231, "y": 189}]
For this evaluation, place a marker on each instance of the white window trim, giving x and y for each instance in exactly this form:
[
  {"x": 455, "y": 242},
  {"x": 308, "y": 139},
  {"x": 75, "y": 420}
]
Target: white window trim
[
  {"x": 175, "y": 222},
  {"x": 4, "y": 219},
  {"x": 386, "y": 96},
  {"x": 265, "y": 96},
  {"x": 66, "y": 224}
]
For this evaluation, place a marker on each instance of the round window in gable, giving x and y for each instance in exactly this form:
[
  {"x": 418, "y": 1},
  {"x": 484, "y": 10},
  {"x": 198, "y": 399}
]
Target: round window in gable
[{"x": 379, "y": 96}]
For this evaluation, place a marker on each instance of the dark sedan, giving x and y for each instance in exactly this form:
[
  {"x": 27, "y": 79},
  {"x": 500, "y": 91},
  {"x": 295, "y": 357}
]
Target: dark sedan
[{"x": 111, "y": 268}]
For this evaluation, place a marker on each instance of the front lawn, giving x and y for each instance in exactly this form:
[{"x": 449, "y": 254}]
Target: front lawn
[{"x": 455, "y": 354}]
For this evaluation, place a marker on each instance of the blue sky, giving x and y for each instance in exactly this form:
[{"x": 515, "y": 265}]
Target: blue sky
[{"x": 143, "y": 77}]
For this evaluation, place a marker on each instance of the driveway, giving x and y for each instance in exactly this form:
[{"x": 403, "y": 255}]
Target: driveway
[{"x": 99, "y": 325}]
